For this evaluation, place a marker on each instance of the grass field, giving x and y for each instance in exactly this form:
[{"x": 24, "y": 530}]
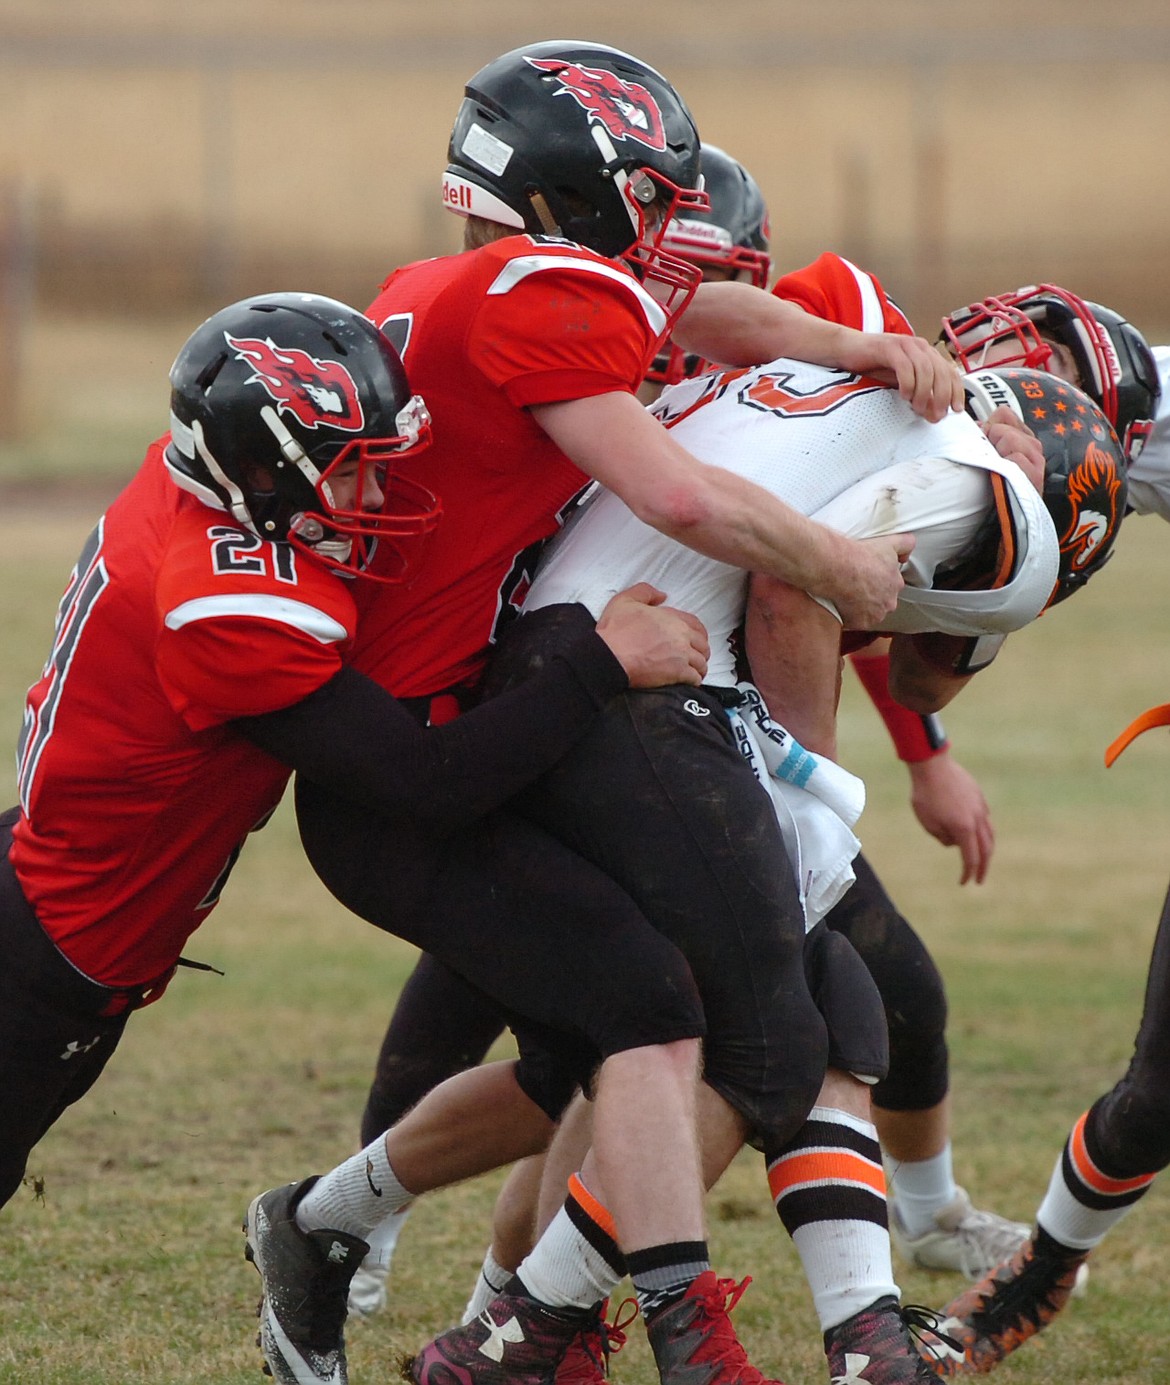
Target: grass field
[{"x": 125, "y": 1268}]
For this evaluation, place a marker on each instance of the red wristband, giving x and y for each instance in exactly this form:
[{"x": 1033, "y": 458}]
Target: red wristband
[{"x": 915, "y": 737}]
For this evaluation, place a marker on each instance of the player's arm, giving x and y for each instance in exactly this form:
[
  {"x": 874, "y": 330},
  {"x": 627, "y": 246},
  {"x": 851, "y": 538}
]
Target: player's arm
[
  {"x": 615, "y": 440},
  {"x": 739, "y": 324},
  {"x": 352, "y": 737},
  {"x": 793, "y": 647},
  {"x": 945, "y": 796}
]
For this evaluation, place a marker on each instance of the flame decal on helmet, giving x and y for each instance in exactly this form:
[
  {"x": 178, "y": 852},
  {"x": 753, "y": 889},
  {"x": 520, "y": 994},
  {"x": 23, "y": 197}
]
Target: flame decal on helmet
[
  {"x": 315, "y": 392},
  {"x": 1095, "y": 479},
  {"x": 626, "y": 109}
]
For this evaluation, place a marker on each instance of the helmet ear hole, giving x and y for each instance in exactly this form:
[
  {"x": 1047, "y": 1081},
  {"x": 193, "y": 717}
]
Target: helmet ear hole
[{"x": 258, "y": 479}]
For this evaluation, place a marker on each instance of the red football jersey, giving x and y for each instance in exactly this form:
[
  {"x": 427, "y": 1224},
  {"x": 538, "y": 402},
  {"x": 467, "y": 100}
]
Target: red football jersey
[
  {"x": 136, "y": 795},
  {"x": 836, "y": 290},
  {"x": 483, "y": 335}
]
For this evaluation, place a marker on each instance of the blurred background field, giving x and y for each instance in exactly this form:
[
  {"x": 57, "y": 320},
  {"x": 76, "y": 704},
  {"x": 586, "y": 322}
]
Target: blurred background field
[{"x": 156, "y": 161}]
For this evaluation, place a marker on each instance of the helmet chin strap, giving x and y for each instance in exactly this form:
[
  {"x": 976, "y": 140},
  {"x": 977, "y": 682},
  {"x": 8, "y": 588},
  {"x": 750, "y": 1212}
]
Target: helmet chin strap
[
  {"x": 293, "y": 452},
  {"x": 237, "y": 505},
  {"x": 544, "y": 215}
]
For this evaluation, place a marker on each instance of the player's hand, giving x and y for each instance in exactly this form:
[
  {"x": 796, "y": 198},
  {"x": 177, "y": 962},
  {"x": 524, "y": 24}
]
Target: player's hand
[
  {"x": 655, "y": 644},
  {"x": 1015, "y": 442},
  {"x": 948, "y": 802},
  {"x": 867, "y": 578},
  {"x": 929, "y": 381}
]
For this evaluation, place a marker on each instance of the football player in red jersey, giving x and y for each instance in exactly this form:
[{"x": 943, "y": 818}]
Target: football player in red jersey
[
  {"x": 568, "y": 159},
  {"x": 211, "y": 610},
  {"x": 727, "y": 241}
]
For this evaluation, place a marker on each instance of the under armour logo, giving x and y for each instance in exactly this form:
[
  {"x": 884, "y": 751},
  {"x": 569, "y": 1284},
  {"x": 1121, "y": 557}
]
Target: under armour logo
[
  {"x": 73, "y": 1047},
  {"x": 933, "y": 1343},
  {"x": 855, "y": 1363},
  {"x": 696, "y": 709},
  {"x": 498, "y": 1334},
  {"x": 338, "y": 1253}
]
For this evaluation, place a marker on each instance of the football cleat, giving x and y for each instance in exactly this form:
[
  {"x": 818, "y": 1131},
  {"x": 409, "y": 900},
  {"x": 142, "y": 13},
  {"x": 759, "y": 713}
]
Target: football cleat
[
  {"x": 990, "y": 1319},
  {"x": 514, "y": 1341},
  {"x": 586, "y": 1358},
  {"x": 876, "y": 1346},
  {"x": 306, "y": 1276},
  {"x": 963, "y": 1238},
  {"x": 694, "y": 1342}
]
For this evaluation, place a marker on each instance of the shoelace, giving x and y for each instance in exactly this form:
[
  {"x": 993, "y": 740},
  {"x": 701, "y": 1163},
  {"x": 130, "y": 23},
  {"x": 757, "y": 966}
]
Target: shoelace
[
  {"x": 921, "y": 1320},
  {"x": 615, "y": 1332},
  {"x": 589, "y": 1362},
  {"x": 730, "y": 1292},
  {"x": 1027, "y": 1294}
]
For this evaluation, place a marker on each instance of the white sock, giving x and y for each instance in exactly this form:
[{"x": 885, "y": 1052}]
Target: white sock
[
  {"x": 920, "y": 1188},
  {"x": 1066, "y": 1213},
  {"x": 564, "y": 1269},
  {"x": 356, "y": 1196},
  {"x": 830, "y": 1192},
  {"x": 383, "y": 1239},
  {"x": 489, "y": 1284}
]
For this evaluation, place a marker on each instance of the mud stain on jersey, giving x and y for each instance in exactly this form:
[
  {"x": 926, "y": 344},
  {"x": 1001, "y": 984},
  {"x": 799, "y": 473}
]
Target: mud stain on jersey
[{"x": 886, "y": 509}]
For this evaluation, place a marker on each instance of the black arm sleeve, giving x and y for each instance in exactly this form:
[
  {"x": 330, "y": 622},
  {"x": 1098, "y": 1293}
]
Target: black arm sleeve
[{"x": 353, "y": 738}]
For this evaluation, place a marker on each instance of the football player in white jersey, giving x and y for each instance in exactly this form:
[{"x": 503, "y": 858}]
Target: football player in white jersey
[
  {"x": 644, "y": 797},
  {"x": 1044, "y": 327}
]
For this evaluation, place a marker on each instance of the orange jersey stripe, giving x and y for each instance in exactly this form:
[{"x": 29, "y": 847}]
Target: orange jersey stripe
[
  {"x": 839, "y": 1166},
  {"x": 1091, "y": 1175}
]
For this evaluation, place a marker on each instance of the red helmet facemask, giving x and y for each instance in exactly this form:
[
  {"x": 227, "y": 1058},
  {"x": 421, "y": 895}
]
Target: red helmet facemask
[
  {"x": 1008, "y": 318},
  {"x": 346, "y": 538},
  {"x": 666, "y": 276}
]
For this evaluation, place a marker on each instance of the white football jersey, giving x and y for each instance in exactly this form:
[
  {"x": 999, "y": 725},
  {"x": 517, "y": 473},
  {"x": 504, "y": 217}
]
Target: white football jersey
[
  {"x": 844, "y": 450},
  {"x": 1149, "y": 476}
]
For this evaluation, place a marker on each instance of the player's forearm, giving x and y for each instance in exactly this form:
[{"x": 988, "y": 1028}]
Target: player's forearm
[
  {"x": 740, "y": 325},
  {"x": 353, "y": 738}
]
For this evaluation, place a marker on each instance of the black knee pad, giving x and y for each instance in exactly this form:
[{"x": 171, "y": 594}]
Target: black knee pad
[
  {"x": 849, "y": 1002},
  {"x": 552, "y": 1067},
  {"x": 845, "y": 1028},
  {"x": 911, "y": 989}
]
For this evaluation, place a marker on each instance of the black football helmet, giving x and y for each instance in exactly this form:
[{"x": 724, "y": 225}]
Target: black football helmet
[
  {"x": 274, "y": 395},
  {"x": 1116, "y": 366},
  {"x": 734, "y": 233},
  {"x": 733, "y": 236},
  {"x": 581, "y": 141},
  {"x": 1084, "y": 466}
]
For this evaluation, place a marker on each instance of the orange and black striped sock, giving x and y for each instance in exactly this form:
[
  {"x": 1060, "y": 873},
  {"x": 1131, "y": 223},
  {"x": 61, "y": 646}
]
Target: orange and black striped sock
[
  {"x": 830, "y": 1192},
  {"x": 1084, "y": 1200},
  {"x": 576, "y": 1263}
]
